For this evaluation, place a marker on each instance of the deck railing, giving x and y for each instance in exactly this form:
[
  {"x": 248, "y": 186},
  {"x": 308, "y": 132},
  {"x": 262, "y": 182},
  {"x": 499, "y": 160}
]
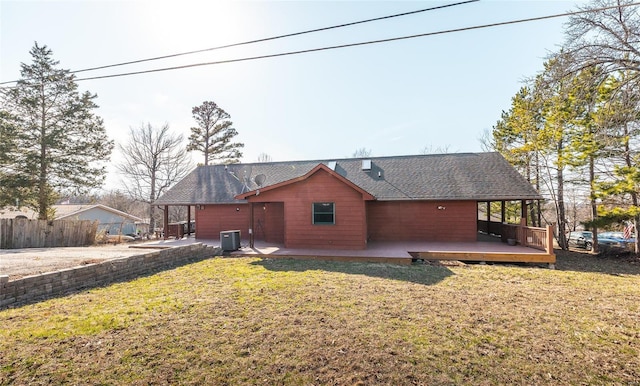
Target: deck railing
[{"x": 532, "y": 237}]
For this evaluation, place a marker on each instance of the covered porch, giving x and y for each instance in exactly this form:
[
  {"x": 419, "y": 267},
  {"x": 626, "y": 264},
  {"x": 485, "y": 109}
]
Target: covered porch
[{"x": 497, "y": 241}]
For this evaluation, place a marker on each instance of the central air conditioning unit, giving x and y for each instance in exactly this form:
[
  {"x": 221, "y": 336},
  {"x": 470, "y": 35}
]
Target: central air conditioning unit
[{"x": 230, "y": 240}]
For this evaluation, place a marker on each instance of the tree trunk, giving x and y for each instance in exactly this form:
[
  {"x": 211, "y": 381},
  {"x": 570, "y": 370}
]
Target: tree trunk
[
  {"x": 562, "y": 222},
  {"x": 206, "y": 150},
  {"x": 42, "y": 177},
  {"x": 152, "y": 221},
  {"x": 634, "y": 194},
  {"x": 538, "y": 187},
  {"x": 594, "y": 204},
  {"x": 532, "y": 208}
]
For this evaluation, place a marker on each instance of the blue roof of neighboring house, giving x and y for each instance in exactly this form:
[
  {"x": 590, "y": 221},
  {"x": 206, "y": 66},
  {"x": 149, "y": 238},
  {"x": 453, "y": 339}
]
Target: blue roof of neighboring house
[{"x": 72, "y": 210}]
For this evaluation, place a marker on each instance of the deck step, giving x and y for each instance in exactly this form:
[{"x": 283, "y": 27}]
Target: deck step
[{"x": 489, "y": 256}]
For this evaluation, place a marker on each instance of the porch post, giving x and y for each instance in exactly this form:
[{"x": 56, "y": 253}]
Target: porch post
[
  {"x": 503, "y": 216},
  {"x": 250, "y": 224},
  {"x": 165, "y": 224},
  {"x": 538, "y": 213},
  {"x": 549, "y": 243},
  {"x": 188, "y": 220},
  {"x": 488, "y": 214},
  {"x": 523, "y": 211}
]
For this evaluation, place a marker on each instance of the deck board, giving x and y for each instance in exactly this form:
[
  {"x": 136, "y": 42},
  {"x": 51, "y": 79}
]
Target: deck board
[
  {"x": 406, "y": 252},
  {"x": 400, "y": 252}
]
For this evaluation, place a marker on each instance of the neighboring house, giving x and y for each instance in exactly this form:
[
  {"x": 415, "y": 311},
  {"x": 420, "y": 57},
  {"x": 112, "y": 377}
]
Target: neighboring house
[
  {"x": 345, "y": 203},
  {"x": 12, "y": 212},
  {"x": 110, "y": 219}
]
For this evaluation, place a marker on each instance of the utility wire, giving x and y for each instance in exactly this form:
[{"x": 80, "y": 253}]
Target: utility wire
[
  {"x": 268, "y": 38},
  {"x": 359, "y": 43}
]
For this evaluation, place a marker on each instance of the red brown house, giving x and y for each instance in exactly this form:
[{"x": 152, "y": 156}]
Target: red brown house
[{"x": 346, "y": 203}]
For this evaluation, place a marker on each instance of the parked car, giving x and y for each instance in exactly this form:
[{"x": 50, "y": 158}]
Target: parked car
[
  {"x": 617, "y": 236},
  {"x": 629, "y": 243},
  {"x": 584, "y": 239}
]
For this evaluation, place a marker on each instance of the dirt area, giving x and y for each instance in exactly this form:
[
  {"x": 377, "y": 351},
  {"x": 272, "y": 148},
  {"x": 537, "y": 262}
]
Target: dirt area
[
  {"x": 17, "y": 263},
  {"x": 581, "y": 260}
]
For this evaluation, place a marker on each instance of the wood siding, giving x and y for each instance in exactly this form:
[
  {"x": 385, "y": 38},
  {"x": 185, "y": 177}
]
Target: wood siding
[
  {"x": 273, "y": 224},
  {"x": 268, "y": 222},
  {"x": 422, "y": 220},
  {"x": 349, "y": 230},
  {"x": 213, "y": 219},
  {"x": 284, "y": 216}
]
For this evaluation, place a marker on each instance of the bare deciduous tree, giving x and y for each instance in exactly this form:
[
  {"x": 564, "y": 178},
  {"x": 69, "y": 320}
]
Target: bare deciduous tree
[
  {"x": 608, "y": 39},
  {"x": 153, "y": 160},
  {"x": 123, "y": 202},
  {"x": 264, "y": 157},
  {"x": 438, "y": 150},
  {"x": 362, "y": 153}
]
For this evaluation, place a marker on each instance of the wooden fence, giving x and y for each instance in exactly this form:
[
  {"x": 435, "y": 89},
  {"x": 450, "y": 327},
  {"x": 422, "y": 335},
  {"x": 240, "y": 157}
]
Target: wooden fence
[{"x": 24, "y": 233}]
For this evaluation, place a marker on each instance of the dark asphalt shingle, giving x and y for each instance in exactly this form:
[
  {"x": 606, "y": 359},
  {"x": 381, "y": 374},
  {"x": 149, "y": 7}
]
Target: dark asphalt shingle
[{"x": 457, "y": 176}]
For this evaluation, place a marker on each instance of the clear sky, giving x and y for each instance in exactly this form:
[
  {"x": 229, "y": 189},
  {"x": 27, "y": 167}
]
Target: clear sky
[{"x": 393, "y": 98}]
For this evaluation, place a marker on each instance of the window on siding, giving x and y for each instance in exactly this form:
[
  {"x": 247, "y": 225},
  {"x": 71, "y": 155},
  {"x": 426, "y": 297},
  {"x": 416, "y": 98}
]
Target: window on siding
[{"x": 324, "y": 213}]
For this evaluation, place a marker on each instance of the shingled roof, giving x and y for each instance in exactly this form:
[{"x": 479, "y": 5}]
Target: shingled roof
[{"x": 457, "y": 176}]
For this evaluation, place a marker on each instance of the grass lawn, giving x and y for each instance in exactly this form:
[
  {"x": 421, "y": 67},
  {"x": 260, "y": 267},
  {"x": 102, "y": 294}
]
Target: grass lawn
[{"x": 233, "y": 321}]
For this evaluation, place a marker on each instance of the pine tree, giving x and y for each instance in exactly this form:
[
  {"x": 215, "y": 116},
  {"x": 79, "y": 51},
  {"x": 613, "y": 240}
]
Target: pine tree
[
  {"x": 515, "y": 136},
  {"x": 619, "y": 193},
  {"x": 8, "y": 156},
  {"x": 62, "y": 143},
  {"x": 214, "y": 134}
]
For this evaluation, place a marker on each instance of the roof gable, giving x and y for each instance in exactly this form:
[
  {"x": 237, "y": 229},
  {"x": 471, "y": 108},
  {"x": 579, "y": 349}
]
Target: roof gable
[
  {"x": 319, "y": 167},
  {"x": 66, "y": 211}
]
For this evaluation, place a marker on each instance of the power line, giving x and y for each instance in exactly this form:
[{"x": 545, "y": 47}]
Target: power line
[
  {"x": 358, "y": 44},
  {"x": 268, "y": 38},
  {"x": 289, "y": 53},
  {"x": 280, "y": 36}
]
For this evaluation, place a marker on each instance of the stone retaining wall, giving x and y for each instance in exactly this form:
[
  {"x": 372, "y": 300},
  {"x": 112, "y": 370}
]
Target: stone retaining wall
[{"x": 33, "y": 288}]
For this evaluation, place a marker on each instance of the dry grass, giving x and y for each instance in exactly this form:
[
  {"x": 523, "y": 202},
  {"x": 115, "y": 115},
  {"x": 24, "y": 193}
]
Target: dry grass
[{"x": 249, "y": 321}]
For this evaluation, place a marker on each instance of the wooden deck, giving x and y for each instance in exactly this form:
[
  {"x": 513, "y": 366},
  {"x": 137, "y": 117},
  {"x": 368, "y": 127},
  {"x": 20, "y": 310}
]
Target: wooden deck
[{"x": 408, "y": 252}]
